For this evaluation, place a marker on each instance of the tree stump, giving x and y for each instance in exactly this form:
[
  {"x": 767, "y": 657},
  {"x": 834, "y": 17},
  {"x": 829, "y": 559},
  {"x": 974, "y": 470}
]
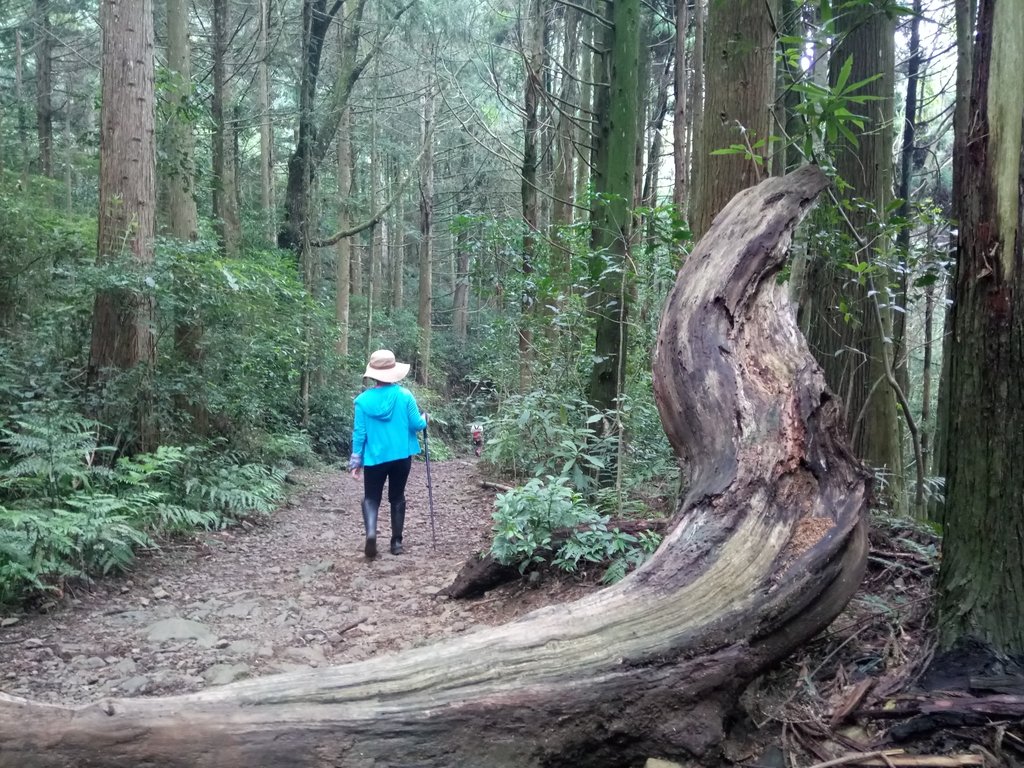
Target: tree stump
[{"x": 767, "y": 547}]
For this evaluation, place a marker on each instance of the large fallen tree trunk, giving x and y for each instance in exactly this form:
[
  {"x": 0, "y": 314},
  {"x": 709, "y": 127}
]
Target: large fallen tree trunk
[{"x": 648, "y": 666}]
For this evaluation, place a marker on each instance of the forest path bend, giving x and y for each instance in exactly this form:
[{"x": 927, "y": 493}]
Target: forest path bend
[{"x": 292, "y": 592}]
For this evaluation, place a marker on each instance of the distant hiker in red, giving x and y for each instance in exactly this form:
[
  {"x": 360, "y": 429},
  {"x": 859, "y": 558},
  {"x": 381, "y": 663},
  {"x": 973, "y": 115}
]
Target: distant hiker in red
[
  {"x": 476, "y": 431},
  {"x": 383, "y": 444}
]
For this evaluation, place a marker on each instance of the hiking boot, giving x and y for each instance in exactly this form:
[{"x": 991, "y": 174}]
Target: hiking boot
[
  {"x": 397, "y": 526},
  {"x": 370, "y": 510}
]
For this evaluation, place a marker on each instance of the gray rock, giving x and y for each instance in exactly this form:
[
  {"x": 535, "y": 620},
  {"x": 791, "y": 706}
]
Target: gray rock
[
  {"x": 88, "y": 662},
  {"x": 159, "y": 593},
  {"x": 134, "y": 686},
  {"x": 310, "y": 571},
  {"x": 244, "y": 647},
  {"x": 222, "y": 674},
  {"x": 9, "y": 621},
  {"x": 125, "y": 666},
  {"x": 312, "y": 655},
  {"x": 242, "y": 609},
  {"x": 178, "y": 628},
  {"x": 655, "y": 762}
]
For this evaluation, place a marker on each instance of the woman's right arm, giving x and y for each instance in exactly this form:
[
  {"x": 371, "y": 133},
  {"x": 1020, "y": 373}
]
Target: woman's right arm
[{"x": 358, "y": 439}]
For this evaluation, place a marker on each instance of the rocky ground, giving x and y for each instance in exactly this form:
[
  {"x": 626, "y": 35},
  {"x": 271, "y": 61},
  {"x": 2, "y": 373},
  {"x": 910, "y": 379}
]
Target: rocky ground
[{"x": 288, "y": 592}]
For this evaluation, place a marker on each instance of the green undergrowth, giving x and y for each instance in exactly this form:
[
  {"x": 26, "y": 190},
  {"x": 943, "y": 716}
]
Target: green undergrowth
[
  {"x": 526, "y": 520},
  {"x": 68, "y": 513}
]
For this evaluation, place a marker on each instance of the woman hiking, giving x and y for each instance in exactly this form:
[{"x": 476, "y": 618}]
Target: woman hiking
[{"x": 383, "y": 444}]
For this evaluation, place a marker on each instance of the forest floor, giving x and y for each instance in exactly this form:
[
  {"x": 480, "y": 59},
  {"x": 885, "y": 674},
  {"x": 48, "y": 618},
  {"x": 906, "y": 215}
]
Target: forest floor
[{"x": 293, "y": 591}]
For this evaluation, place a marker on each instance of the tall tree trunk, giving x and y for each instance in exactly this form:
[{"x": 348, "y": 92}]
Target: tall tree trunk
[
  {"x": 854, "y": 345},
  {"x": 460, "y": 319},
  {"x": 343, "y": 266},
  {"x": 680, "y": 155},
  {"x": 904, "y": 188},
  {"x": 789, "y": 74},
  {"x": 586, "y": 128},
  {"x": 19, "y": 97},
  {"x": 44, "y": 86},
  {"x": 398, "y": 255},
  {"x": 267, "y": 197},
  {"x": 696, "y": 103},
  {"x": 69, "y": 148},
  {"x": 965, "y": 15},
  {"x": 426, "y": 299},
  {"x": 612, "y": 218},
  {"x": 182, "y": 216},
  {"x": 983, "y": 552},
  {"x": 563, "y": 183},
  {"x": 740, "y": 69},
  {"x": 123, "y": 318},
  {"x": 651, "y": 665},
  {"x": 533, "y": 59},
  {"x": 225, "y": 194},
  {"x": 314, "y": 141}
]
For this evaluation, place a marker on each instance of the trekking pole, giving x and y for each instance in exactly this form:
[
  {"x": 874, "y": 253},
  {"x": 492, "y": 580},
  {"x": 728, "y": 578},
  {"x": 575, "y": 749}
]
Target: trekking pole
[{"x": 430, "y": 490}]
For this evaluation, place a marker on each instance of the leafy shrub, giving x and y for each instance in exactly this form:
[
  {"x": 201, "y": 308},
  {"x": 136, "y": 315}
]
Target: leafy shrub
[
  {"x": 546, "y": 433},
  {"x": 526, "y": 518}
]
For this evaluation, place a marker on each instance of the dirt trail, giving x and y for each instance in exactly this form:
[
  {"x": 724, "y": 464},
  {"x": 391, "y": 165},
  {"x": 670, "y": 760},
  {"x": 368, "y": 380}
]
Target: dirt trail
[{"x": 292, "y": 592}]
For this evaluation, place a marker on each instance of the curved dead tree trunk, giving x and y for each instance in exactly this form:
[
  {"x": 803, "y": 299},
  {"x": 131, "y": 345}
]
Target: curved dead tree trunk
[{"x": 649, "y": 666}]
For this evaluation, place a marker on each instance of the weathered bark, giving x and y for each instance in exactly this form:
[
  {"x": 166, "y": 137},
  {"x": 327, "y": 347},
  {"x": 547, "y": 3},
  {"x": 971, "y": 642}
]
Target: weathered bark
[
  {"x": 649, "y": 665},
  {"x": 740, "y": 70},
  {"x": 983, "y": 552},
  {"x": 123, "y": 319},
  {"x": 182, "y": 216}
]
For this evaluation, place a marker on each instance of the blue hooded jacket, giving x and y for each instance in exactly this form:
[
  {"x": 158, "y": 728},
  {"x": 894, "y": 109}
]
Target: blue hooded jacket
[{"x": 386, "y": 422}]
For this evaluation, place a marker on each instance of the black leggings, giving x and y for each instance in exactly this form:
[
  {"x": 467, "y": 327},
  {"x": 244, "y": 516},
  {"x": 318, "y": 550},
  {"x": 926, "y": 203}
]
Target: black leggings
[{"x": 395, "y": 472}]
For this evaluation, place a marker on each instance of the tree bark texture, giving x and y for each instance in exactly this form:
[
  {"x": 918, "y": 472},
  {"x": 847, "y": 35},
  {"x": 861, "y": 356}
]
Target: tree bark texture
[
  {"x": 533, "y": 87},
  {"x": 122, "y": 330},
  {"x": 680, "y": 110},
  {"x": 612, "y": 215},
  {"x": 983, "y": 551},
  {"x": 182, "y": 215},
  {"x": 965, "y": 14},
  {"x": 651, "y": 664},
  {"x": 855, "y": 345},
  {"x": 739, "y": 65},
  {"x": 225, "y": 187}
]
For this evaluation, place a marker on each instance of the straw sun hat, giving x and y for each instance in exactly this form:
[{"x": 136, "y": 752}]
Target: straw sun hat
[{"x": 384, "y": 367}]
